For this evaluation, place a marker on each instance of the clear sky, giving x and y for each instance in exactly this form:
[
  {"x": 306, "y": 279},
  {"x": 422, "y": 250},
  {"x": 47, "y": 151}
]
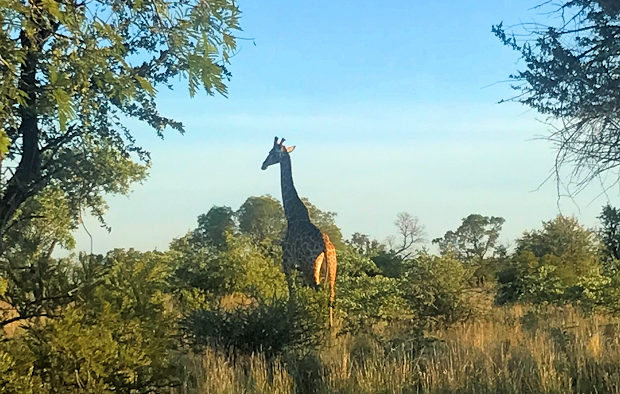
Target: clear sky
[{"x": 392, "y": 107}]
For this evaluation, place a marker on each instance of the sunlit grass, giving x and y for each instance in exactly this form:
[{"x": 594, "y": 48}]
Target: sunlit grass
[{"x": 512, "y": 350}]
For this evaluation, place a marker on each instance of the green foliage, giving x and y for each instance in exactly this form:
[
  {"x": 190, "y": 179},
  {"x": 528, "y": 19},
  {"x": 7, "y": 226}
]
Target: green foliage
[
  {"x": 531, "y": 279},
  {"x": 5, "y": 143},
  {"x": 16, "y": 376},
  {"x": 475, "y": 243},
  {"x": 262, "y": 218},
  {"x": 428, "y": 291},
  {"x": 365, "y": 298},
  {"x": 353, "y": 264},
  {"x": 387, "y": 262},
  {"x": 206, "y": 274},
  {"x": 104, "y": 352},
  {"x": 271, "y": 326},
  {"x": 234, "y": 294},
  {"x": 73, "y": 73},
  {"x": 563, "y": 237},
  {"x": 117, "y": 333},
  {"x": 610, "y": 232},
  {"x": 437, "y": 289},
  {"x": 363, "y": 245},
  {"x": 120, "y": 322},
  {"x": 264, "y": 327},
  {"x": 222, "y": 263},
  {"x": 390, "y": 263},
  {"x": 473, "y": 240},
  {"x": 37, "y": 284},
  {"x": 213, "y": 227},
  {"x": 559, "y": 263}
]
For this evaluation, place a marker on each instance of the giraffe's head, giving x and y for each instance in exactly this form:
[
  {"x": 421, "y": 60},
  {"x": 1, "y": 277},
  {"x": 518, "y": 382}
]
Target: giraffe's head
[{"x": 276, "y": 153}]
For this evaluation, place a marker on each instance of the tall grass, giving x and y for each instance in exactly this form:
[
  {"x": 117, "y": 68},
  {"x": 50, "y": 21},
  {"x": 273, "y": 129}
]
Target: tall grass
[{"x": 513, "y": 350}]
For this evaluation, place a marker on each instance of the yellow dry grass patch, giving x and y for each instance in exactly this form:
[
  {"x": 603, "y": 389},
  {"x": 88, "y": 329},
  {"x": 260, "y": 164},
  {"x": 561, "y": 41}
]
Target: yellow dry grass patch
[{"x": 512, "y": 350}]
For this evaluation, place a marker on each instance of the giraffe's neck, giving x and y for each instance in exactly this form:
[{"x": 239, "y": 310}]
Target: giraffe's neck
[{"x": 294, "y": 209}]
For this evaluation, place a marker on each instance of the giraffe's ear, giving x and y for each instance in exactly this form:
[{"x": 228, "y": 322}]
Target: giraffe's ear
[{"x": 289, "y": 149}]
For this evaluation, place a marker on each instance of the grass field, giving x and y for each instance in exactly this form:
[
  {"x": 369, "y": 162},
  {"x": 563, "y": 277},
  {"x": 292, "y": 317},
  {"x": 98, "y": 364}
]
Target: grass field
[{"x": 510, "y": 350}]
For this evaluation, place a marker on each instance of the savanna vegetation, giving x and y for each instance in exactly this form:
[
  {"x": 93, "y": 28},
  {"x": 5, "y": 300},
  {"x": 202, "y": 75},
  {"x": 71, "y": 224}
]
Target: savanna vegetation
[{"x": 212, "y": 312}]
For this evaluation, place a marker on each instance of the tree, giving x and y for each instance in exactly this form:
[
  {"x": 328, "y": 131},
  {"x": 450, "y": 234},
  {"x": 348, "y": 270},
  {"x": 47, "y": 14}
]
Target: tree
[
  {"x": 71, "y": 73},
  {"x": 37, "y": 284},
  {"x": 610, "y": 233},
  {"x": 363, "y": 245},
  {"x": 474, "y": 240},
  {"x": 217, "y": 261},
  {"x": 410, "y": 232},
  {"x": 213, "y": 226},
  {"x": 558, "y": 263},
  {"x": 563, "y": 237},
  {"x": 262, "y": 218},
  {"x": 364, "y": 296},
  {"x": 571, "y": 75}
]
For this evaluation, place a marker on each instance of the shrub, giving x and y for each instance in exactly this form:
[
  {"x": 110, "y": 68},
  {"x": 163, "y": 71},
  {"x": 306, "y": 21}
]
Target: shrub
[
  {"x": 118, "y": 334},
  {"x": 268, "y": 325},
  {"x": 436, "y": 289}
]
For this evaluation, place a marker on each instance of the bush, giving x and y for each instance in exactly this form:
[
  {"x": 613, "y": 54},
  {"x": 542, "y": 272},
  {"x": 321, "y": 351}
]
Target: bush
[
  {"x": 363, "y": 296},
  {"x": 270, "y": 325},
  {"x": 204, "y": 275},
  {"x": 118, "y": 334},
  {"x": 436, "y": 289}
]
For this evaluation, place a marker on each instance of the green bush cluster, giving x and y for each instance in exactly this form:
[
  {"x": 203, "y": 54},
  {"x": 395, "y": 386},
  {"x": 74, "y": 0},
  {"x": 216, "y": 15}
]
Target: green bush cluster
[{"x": 560, "y": 264}]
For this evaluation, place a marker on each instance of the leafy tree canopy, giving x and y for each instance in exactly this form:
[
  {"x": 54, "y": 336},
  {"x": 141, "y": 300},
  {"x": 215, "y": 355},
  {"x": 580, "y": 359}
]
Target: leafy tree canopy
[
  {"x": 563, "y": 237},
  {"x": 213, "y": 226},
  {"x": 475, "y": 239},
  {"x": 364, "y": 245},
  {"x": 558, "y": 263},
  {"x": 262, "y": 218},
  {"x": 72, "y": 73}
]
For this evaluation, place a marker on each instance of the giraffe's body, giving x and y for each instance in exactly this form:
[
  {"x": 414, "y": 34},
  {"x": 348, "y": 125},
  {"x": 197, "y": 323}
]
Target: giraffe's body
[{"x": 304, "y": 247}]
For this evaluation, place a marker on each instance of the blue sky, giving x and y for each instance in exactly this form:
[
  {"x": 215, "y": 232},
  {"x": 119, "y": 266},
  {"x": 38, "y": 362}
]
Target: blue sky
[{"x": 392, "y": 107}]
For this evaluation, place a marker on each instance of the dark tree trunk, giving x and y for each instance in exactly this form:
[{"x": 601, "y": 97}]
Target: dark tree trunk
[{"x": 27, "y": 179}]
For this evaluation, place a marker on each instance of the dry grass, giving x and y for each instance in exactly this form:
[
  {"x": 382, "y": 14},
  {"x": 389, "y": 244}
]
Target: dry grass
[{"x": 511, "y": 351}]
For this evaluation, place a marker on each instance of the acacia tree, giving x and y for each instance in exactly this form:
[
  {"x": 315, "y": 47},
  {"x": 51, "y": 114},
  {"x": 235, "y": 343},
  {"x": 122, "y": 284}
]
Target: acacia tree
[
  {"x": 474, "y": 240},
  {"x": 572, "y": 74},
  {"x": 72, "y": 72}
]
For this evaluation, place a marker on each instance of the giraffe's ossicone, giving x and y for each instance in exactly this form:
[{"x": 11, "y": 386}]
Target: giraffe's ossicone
[{"x": 304, "y": 248}]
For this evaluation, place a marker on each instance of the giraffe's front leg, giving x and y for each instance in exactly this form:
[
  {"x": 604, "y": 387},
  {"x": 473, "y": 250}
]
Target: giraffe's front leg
[
  {"x": 288, "y": 267},
  {"x": 288, "y": 274}
]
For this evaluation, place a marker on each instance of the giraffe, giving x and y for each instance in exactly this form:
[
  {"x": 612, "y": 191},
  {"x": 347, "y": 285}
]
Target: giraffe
[{"x": 304, "y": 248}]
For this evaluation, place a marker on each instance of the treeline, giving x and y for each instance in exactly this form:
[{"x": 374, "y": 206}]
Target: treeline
[{"x": 127, "y": 321}]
